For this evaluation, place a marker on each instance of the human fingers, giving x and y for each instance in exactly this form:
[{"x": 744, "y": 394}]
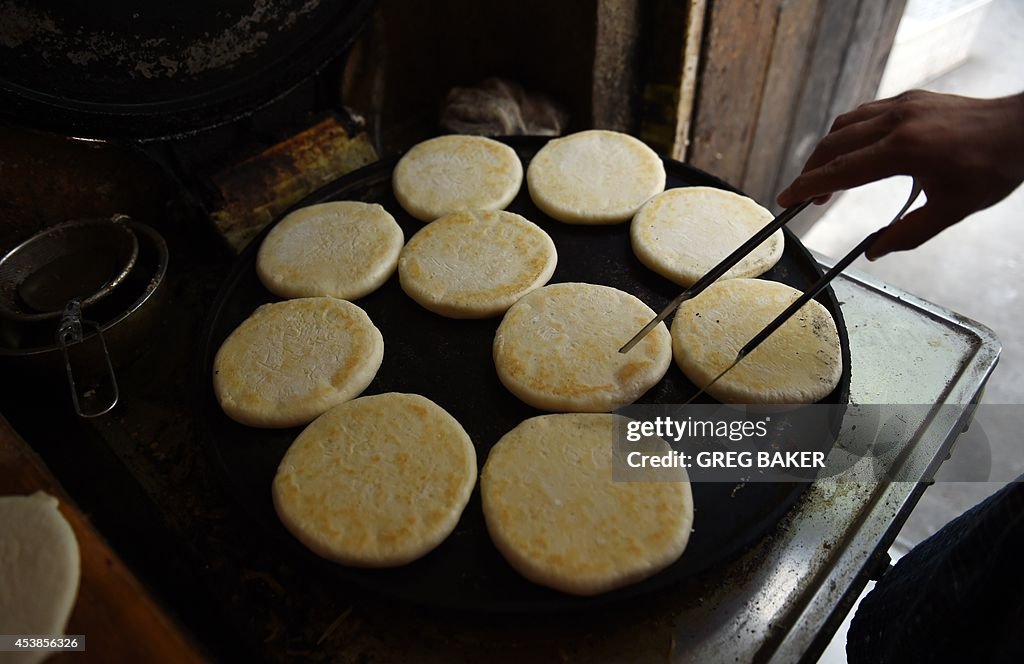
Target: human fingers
[
  {"x": 913, "y": 230},
  {"x": 845, "y": 171},
  {"x": 878, "y": 107},
  {"x": 849, "y": 138},
  {"x": 863, "y": 112}
]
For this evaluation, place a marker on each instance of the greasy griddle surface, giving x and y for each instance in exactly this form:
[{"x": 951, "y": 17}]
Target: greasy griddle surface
[{"x": 449, "y": 361}]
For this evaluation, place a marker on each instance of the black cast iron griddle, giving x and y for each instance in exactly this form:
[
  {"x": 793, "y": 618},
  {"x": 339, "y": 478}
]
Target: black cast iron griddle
[
  {"x": 141, "y": 70},
  {"x": 449, "y": 361}
]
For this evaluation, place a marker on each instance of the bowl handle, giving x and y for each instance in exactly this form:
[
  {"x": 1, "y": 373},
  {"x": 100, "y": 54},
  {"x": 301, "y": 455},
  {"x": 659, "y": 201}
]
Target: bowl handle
[{"x": 72, "y": 331}]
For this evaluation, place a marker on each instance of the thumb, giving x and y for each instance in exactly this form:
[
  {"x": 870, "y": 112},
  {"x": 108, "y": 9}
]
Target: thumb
[{"x": 912, "y": 230}]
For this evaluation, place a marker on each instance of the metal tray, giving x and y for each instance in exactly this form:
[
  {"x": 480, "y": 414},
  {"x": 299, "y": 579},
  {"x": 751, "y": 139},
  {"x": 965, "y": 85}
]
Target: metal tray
[{"x": 449, "y": 361}]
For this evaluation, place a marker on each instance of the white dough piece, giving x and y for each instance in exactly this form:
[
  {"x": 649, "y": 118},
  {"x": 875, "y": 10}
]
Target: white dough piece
[
  {"x": 476, "y": 264},
  {"x": 682, "y": 233},
  {"x": 343, "y": 249},
  {"x": 451, "y": 173},
  {"x": 554, "y": 512},
  {"x": 800, "y": 363},
  {"x": 39, "y": 570},
  {"x": 378, "y": 481},
  {"x": 290, "y": 361},
  {"x": 594, "y": 177},
  {"x": 557, "y": 348}
]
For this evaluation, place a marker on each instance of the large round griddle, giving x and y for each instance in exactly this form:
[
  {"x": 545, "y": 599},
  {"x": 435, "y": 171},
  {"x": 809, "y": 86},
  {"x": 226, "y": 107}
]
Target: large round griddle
[
  {"x": 450, "y": 362},
  {"x": 146, "y": 70}
]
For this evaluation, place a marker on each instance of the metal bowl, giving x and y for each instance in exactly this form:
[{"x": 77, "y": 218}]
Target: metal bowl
[
  {"x": 124, "y": 319},
  {"x": 81, "y": 260}
]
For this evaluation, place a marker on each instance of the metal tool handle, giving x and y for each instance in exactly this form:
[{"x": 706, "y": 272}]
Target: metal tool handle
[
  {"x": 823, "y": 282},
  {"x": 71, "y": 332},
  {"x": 712, "y": 275},
  {"x": 808, "y": 295},
  {"x": 741, "y": 251},
  {"x": 811, "y": 292}
]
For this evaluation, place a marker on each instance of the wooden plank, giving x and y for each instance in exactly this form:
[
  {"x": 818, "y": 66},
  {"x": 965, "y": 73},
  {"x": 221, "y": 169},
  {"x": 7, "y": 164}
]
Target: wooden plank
[
  {"x": 794, "y": 34},
  {"x": 120, "y": 621},
  {"x": 859, "y": 52},
  {"x": 812, "y": 117},
  {"x": 671, "y": 56},
  {"x": 883, "y": 40},
  {"x": 737, "y": 46},
  {"x": 693, "y": 35},
  {"x": 615, "y": 64}
]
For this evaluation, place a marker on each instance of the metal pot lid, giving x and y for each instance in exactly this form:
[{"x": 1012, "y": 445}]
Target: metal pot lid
[{"x": 146, "y": 71}]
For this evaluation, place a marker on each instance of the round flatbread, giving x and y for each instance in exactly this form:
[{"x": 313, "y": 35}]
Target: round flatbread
[
  {"x": 452, "y": 173},
  {"x": 557, "y": 348},
  {"x": 683, "y": 233},
  {"x": 376, "y": 482},
  {"x": 554, "y": 512},
  {"x": 344, "y": 249},
  {"x": 290, "y": 361},
  {"x": 476, "y": 264},
  {"x": 594, "y": 177},
  {"x": 41, "y": 568},
  {"x": 800, "y": 363}
]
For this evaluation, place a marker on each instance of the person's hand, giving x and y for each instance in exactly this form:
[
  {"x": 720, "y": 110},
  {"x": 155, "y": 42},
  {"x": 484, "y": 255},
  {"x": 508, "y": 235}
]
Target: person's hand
[{"x": 966, "y": 153}]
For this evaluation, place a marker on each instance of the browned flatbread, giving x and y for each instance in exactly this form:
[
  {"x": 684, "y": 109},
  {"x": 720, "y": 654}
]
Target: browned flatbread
[
  {"x": 557, "y": 348},
  {"x": 800, "y": 363},
  {"x": 476, "y": 264},
  {"x": 555, "y": 513},
  {"x": 290, "y": 361},
  {"x": 376, "y": 482}
]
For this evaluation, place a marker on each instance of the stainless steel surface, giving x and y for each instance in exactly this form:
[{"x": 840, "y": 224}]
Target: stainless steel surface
[
  {"x": 717, "y": 271},
  {"x": 781, "y": 595},
  {"x": 774, "y": 603}
]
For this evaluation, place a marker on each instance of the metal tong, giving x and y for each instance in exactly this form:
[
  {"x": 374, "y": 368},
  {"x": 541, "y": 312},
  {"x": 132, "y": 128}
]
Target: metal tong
[{"x": 717, "y": 271}]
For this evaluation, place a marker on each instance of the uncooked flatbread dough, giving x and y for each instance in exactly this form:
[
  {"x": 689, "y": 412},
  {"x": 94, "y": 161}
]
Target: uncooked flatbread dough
[
  {"x": 290, "y": 361},
  {"x": 476, "y": 264},
  {"x": 594, "y": 177},
  {"x": 452, "y": 173},
  {"x": 39, "y": 570},
  {"x": 554, "y": 512},
  {"x": 800, "y": 363},
  {"x": 344, "y": 249},
  {"x": 376, "y": 482},
  {"x": 557, "y": 348},
  {"x": 683, "y": 233}
]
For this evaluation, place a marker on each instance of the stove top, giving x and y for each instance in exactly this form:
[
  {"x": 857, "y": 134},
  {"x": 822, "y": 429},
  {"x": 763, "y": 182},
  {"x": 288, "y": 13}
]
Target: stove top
[{"x": 144, "y": 477}]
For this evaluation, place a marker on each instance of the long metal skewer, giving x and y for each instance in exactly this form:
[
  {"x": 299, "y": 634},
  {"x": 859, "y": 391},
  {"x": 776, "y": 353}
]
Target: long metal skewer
[
  {"x": 811, "y": 292},
  {"x": 717, "y": 271}
]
